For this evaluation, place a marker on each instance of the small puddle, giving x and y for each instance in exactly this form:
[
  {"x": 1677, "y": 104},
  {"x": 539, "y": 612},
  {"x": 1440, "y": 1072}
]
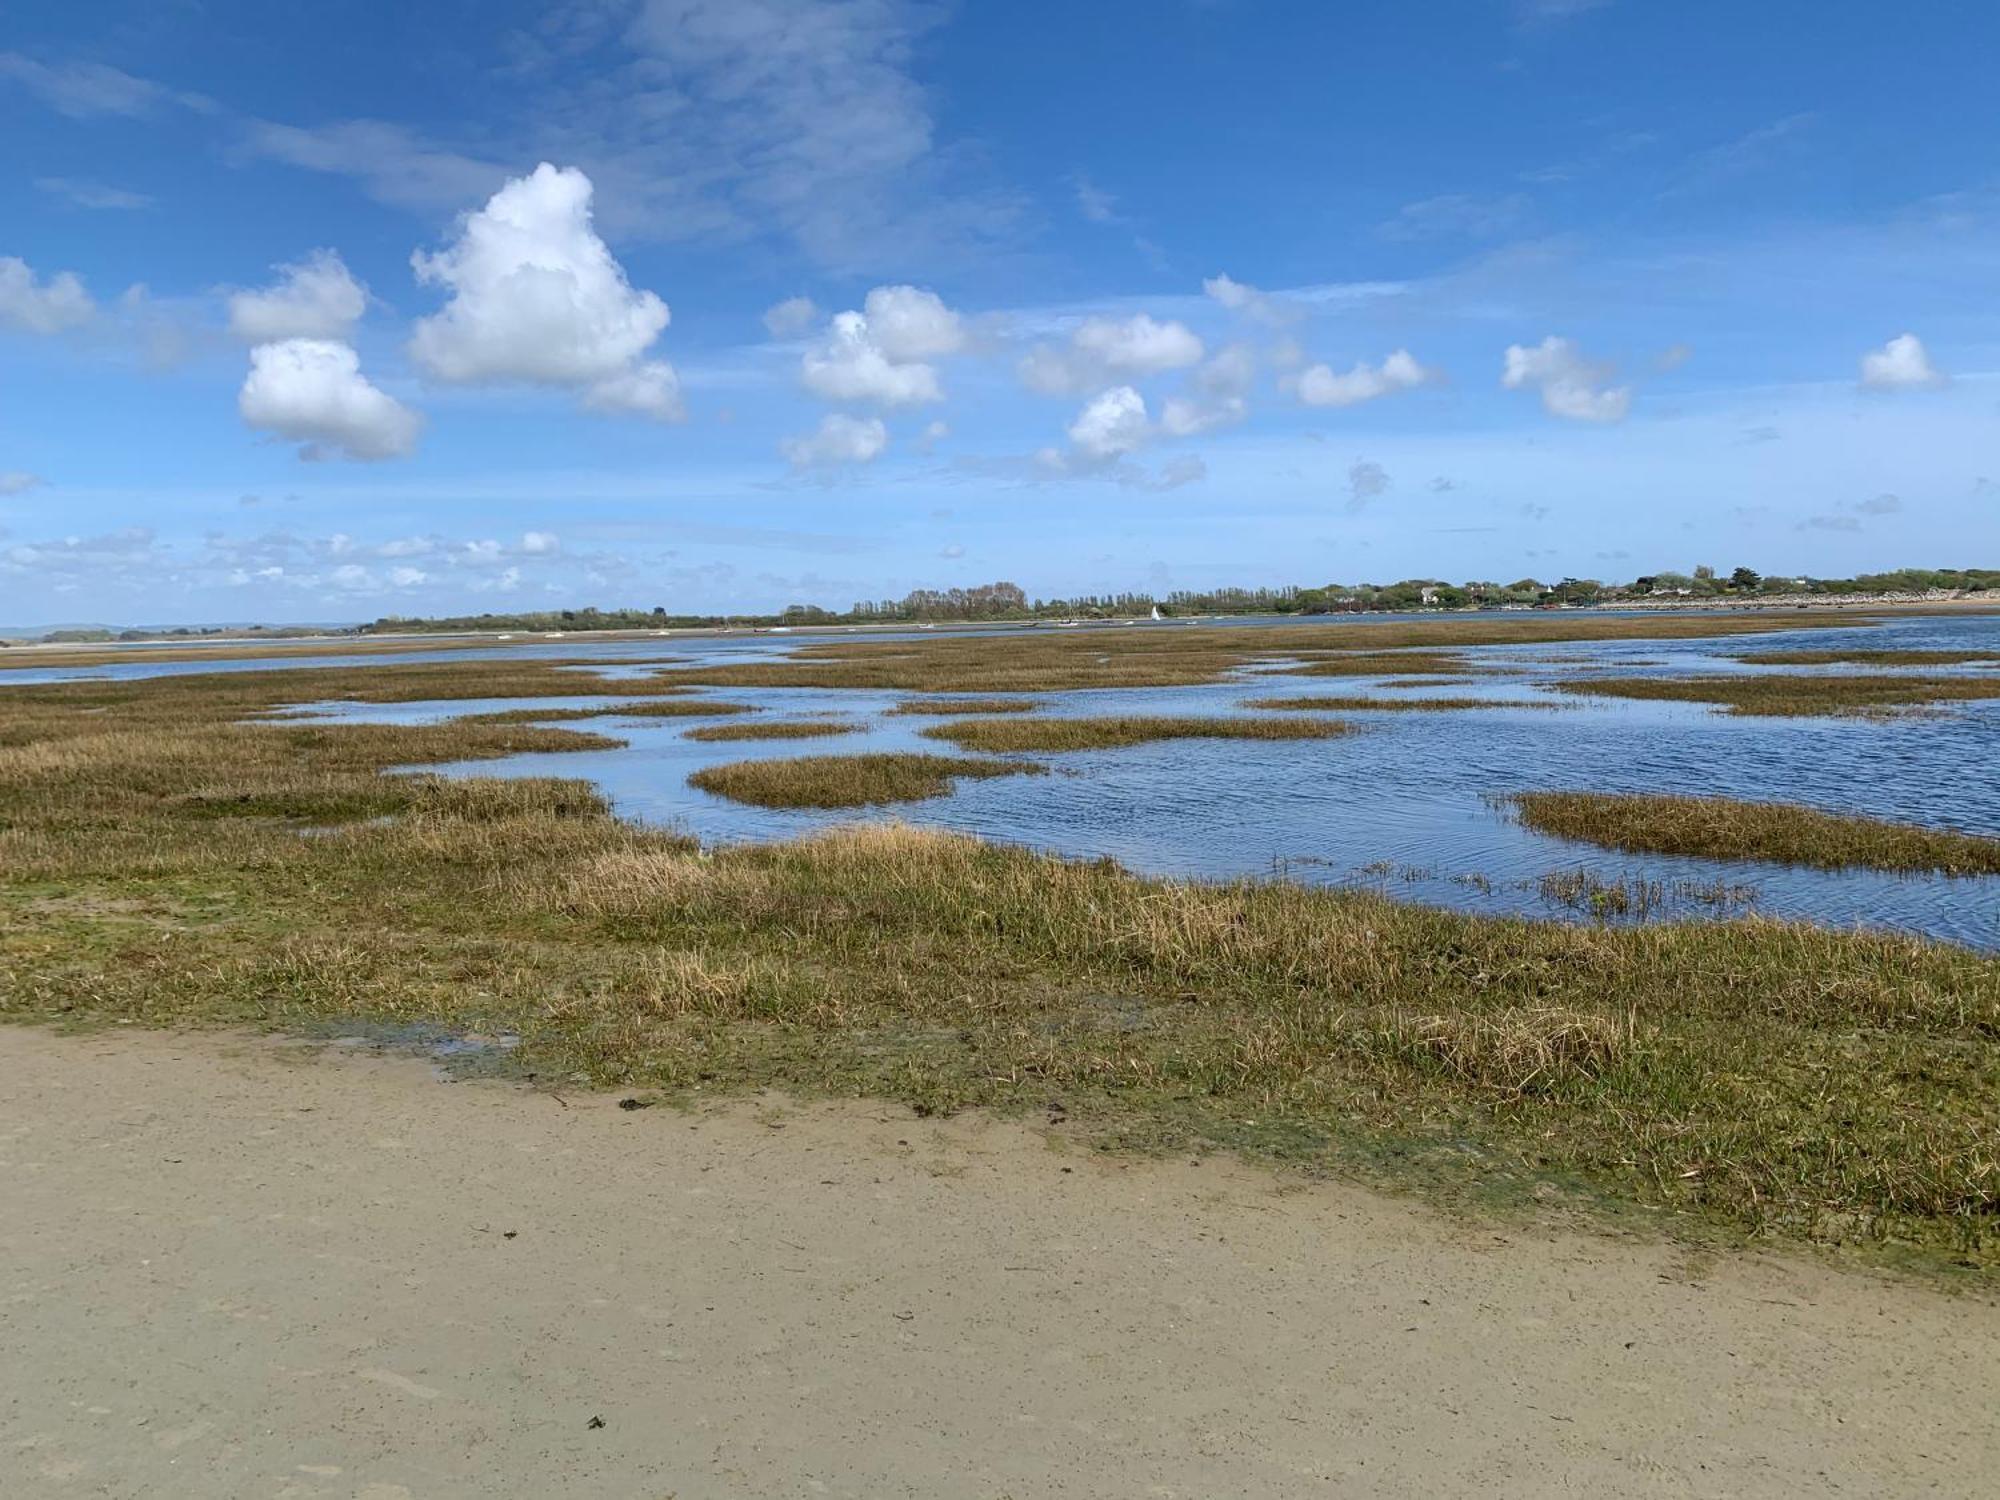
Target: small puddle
[{"x": 454, "y": 1054}]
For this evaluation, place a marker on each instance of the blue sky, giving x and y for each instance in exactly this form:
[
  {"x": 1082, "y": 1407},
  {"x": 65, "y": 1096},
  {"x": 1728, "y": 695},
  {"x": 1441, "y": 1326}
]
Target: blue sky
[{"x": 826, "y": 301}]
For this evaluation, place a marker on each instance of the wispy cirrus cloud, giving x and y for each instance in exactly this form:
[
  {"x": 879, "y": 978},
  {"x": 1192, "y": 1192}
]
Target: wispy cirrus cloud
[
  {"x": 82, "y": 193},
  {"x": 703, "y": 120},
  {"x": 87, "y": 90}
]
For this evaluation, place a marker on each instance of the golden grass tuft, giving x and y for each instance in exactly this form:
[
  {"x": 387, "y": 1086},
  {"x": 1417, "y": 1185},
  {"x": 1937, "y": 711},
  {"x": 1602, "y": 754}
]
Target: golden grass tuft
[
  {"x": 1522, "y": 1050},
  {"x": 1780, "y": 832}
]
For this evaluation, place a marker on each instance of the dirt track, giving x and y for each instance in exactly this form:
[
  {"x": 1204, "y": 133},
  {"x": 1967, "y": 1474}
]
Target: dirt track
[{"x": 234, "y": 1268}]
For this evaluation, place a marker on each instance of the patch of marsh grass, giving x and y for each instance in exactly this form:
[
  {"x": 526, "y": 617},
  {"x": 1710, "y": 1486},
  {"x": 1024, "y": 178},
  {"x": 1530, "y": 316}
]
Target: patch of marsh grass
[
  {"x": 1379, "y": 663},
  {"x": 1779, "y": 832},
  {"x": 1777, "y": 694},
  {"x": 848, "y": 780},
  {"x": 1434, "y": 705},
  {"x": 945, "y": 708},
  {"x": 1005, "y": 736},
  {"x": 671, "y": 708},
  {"x": 1862, "y": 658},
  {"x": 773, "y": 729}
]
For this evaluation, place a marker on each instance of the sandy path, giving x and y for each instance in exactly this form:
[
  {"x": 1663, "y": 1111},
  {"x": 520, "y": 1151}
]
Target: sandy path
[{"x": 230, "y": 1268}]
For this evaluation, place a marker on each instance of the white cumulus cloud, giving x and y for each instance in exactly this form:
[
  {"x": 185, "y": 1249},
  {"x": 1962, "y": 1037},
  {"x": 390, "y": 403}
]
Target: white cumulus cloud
[
  {"x": 537, "y": 298},
  {"x": 882, "y": 354},
  {"x": 1320, "y": 385},
  {"x": 1111, "y": 425},
  {"x": 37, "y": 306},
  {"x": 1104, "y": 349},
  {"x": 312, "y": 392},
  {"x": 1902, "y": 364},
  {"x": 909, "y": 323},
  {"x": 316, "y": 299},
  {"x": 839, "y": 440},
  {"x": 1572, "y": 387}
]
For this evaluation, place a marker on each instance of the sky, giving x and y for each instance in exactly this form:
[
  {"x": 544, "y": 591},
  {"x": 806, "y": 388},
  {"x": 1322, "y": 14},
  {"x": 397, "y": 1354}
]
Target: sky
[{"x": 324, "y": 313}]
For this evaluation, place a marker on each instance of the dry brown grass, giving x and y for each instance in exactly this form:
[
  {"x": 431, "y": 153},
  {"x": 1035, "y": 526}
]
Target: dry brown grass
[{"x": 1523, "y": 1050}]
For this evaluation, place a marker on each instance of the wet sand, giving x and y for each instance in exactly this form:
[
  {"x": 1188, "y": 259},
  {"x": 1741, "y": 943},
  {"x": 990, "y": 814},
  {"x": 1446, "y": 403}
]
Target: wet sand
[{"x": 236, "y": 1267}]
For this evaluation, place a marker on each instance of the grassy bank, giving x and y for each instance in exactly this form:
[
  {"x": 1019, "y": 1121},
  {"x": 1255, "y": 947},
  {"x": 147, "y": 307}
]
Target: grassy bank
[
  {"x": 848, "y": 780},
  {"x": 1721, "y": 828},
  {"x": 1777, "y": 694},
  {"x": 1005, "y": 736},
  {"x": 1747, "y": 1076}
]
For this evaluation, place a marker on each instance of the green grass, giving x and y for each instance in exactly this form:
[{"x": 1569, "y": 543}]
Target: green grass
[
  {"x": 1793, "y": 695},
  {"x": 1746, "y": 1077},
  {"x": 847, "y": 780},
  {"x": 1005, "y": 736},
  {"x": 773, "y": 729},
  {"x": 1433, "y": 705},
  {"x": 1785, "y": 833}
]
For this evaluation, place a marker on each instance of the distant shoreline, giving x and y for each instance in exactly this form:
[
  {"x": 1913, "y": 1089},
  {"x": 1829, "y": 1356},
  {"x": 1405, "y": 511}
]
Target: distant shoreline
[{"x": 1721, "y": 604}]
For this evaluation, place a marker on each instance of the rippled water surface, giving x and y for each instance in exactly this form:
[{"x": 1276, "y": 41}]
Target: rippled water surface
[{"x": 1405, "y": 805}]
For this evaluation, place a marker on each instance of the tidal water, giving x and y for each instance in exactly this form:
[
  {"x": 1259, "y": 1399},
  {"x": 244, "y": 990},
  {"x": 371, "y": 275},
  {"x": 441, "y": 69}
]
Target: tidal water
[{"x": 1407, "y": 805}]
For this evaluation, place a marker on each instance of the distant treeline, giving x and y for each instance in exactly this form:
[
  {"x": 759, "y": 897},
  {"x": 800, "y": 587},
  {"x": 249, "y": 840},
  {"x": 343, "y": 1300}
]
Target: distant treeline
[{"x": 1008, "y": 601}]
